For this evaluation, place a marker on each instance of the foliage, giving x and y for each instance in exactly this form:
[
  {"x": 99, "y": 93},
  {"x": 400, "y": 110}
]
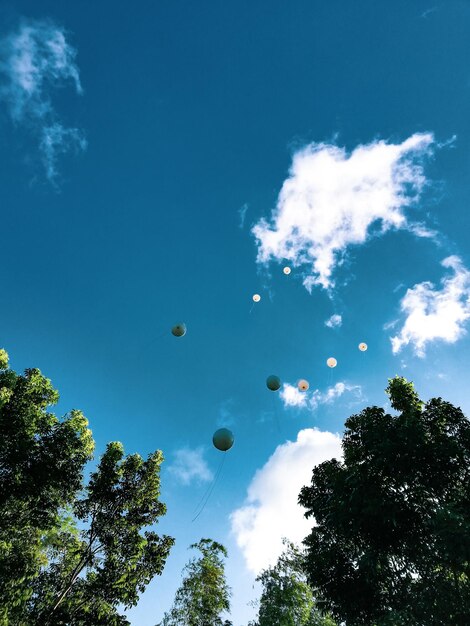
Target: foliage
[
  {"x": 204, "y": 593},
  {"x": 286, "y": 598},
  {"x": 51, "y": 572},
  {"x": 392, "y": 541}
]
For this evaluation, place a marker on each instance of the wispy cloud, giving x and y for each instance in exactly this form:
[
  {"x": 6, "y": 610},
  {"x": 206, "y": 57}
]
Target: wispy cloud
[
  {"x": 428, "y": 12},
  {"x": 57, "y": 140},
  {"x": 421, "y": 230},
  {"x": 257, "y": 525},
  {"x": 35, "y": 60},
  {"x": 334, "y": 321},
  {"x": 242, "y": 214},
  {"x": 189, "y": 465},
  {"x": 226, "y": 413},
  {"x": 292, "y": 396},
  {"x": 332, "y": 199},
  {"x": 435, "y": 314}
]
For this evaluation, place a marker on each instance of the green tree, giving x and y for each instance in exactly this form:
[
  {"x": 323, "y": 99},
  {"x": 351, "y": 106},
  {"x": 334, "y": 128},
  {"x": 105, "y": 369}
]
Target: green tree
[
  {"x": 41, "y": 466},
  {"x": 286, "y": 598},
  {"x": 204, "y": 594},
  {"x": 392, "y": 540},
  {"x": 51, "y": 572}
]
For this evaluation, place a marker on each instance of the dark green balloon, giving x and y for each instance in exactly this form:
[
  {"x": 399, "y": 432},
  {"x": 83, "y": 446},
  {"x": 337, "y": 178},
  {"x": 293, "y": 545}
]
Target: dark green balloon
[
  {"x": 273, "y": 382},
  {"x": 179, "y": 330},
  {"x": 223, "y": 439}
]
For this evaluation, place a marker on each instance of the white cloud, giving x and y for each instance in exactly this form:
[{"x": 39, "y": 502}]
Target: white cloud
[
  {"x": 332, "y": 393},
  {"x": 435, "y": 314},
  {"x": 421, "y": 230},
  {"x": 34, "y": 60},
  {"x": 292, "y": 396},
  {"x": 334, "y": 321},
  {"x": 271, "y": 511},
  {"x": 331, "y": 200},
  {"x": 189, "y": 465},
  {"x": 335, "y": 392}
]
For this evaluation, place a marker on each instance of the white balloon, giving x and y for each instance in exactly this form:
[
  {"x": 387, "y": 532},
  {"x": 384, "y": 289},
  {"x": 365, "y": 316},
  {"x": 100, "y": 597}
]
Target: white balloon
[
  {"x": 287, "y": 270},
  {"x": 362, "y": 347},
  {"x": 332, "y": 362},
  {"x": 256, "y": 297}
]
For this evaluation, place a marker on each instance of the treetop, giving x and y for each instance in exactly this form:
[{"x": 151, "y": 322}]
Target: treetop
[{"x": 402, "y": 394}]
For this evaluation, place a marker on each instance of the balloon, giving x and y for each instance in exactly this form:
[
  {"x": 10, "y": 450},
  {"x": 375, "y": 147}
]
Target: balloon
[
  {"x": 287, "y": 271},
  {"x": 362, "y": 347},
  {"x": 179, "y": 330},
  {"x": 303, "y": 385},
  {"x": 332, "y": 362},
  {"x": 223, "y": 439},
  {"x": 273, "y": 382},
  {"x": 256, "y": 297}
]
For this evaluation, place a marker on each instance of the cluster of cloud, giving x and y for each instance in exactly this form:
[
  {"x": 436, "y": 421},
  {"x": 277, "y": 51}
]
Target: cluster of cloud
[
  {"x": 334, "y": 321},
  {"x": 291, "y": 396},
  {"x": 333, "y": 200},
  {"x": 435, "y": 314},
  {"x": 271, "y": 511},
  {"x": 35, "y": 59},
  {"x": 189, "y": 465}
]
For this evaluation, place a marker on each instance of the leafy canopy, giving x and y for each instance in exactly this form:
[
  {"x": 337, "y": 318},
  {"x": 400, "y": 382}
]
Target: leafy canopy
[
  {"x": 204, "y": 594},
  {"x": 286, "y": 598},
  {"x": 50, "y": 571},
  {"x": 392, "y": 540}
]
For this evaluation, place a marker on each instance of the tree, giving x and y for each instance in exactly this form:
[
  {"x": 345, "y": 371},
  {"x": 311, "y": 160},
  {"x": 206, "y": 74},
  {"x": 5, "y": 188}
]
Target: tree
[
  {"x": 204, "y": 593},
  {"x": 286, "y": 598},
  {"x": 51, "y": 572},
  {"x": 392, "y": 541}
]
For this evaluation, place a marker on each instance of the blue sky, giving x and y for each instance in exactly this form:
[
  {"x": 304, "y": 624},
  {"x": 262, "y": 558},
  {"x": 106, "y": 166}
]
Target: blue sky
[{"x": 163, "y": 164}]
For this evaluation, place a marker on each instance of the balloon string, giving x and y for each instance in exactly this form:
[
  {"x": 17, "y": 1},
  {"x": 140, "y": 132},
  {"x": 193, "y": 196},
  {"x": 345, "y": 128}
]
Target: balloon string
[
  {"x": 162, "y": 334},
  {"x": 330, "y": 379},
  {"x": 209, "y": 489},
  {"x": 147, "y": 342},
  {"x": 206, "y": 491},
  {"x": 210, "y": 485},
  {"x": 276, "y": 417}
]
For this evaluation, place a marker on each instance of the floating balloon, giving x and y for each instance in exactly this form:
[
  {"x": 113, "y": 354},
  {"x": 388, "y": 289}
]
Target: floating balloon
[
  {"x": 256, "y": 297},
  {"x": 223, "y": 439},
  {"x": 303, "y": 385},
  {"x": 273, "y": 382},
  {"x": 332, "y": 362},
  {"x": 287, "y": 271},
  {"x": 179, "y": 330},
  {"x": 362, "y": 347}
]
